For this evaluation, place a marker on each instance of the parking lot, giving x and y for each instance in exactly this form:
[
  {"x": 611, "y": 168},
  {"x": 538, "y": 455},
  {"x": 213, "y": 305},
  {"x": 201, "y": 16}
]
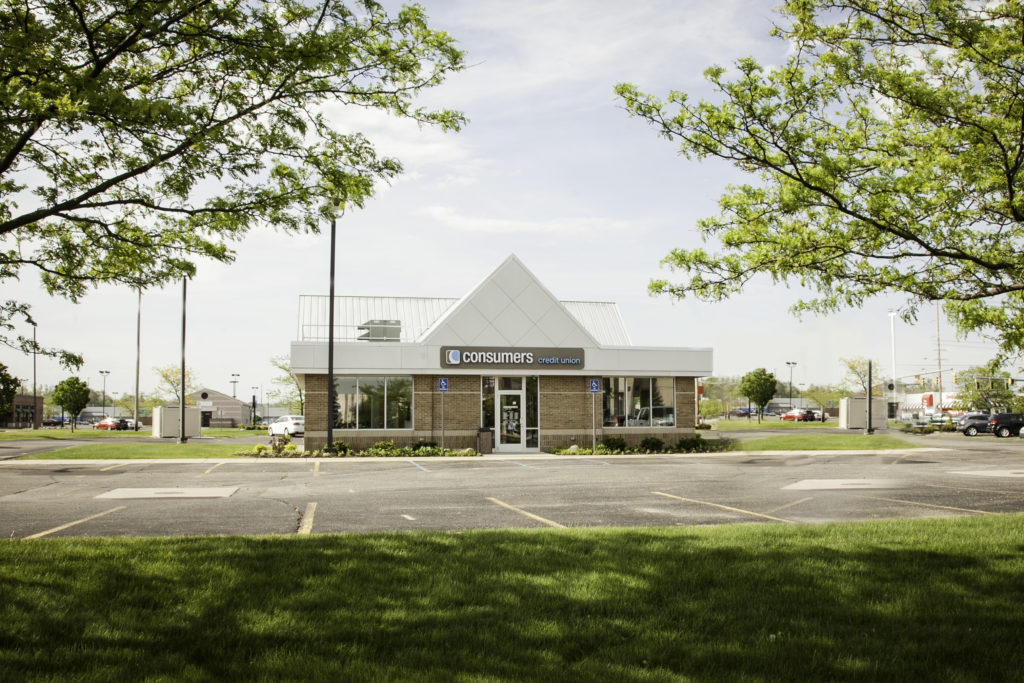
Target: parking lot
[{"x": 240, "y": 496}]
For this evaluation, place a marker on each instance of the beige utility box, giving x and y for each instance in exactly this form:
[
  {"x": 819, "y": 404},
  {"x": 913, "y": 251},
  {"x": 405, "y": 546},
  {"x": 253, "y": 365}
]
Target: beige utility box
[{"x": 166, "y": 422}]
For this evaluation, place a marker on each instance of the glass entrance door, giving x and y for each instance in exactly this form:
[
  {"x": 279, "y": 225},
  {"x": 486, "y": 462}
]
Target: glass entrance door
[{"x": 510, "y": 420}]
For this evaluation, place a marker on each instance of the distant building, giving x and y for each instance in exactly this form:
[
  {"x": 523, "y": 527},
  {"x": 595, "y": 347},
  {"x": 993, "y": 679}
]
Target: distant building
[
  {"x": 220, "y": 410},
  {"x": 26, "y": 412}
]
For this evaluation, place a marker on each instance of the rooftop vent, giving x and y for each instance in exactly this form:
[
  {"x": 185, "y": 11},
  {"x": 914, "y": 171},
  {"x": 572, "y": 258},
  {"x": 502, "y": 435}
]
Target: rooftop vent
[{"x": 381, "y": 330}]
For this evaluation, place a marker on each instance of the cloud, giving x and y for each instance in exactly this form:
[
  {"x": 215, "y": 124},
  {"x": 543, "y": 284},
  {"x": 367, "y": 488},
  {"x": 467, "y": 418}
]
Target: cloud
[{"x": 449, "y": 217}]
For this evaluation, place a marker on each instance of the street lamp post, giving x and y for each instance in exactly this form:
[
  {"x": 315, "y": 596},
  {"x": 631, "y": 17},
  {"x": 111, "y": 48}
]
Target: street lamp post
[
  {"x": 104, "y": 373},
  {"x": 791, "y": 364},
  {"x": 34, "y": 420},
  {"x": 329, "y": 448},
  {"x": 234, "y": 384},
  {"x": 254, "y": 404}
]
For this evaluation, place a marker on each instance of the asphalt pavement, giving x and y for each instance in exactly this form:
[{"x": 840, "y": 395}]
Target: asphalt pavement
[{"x": 951, "y": 476}]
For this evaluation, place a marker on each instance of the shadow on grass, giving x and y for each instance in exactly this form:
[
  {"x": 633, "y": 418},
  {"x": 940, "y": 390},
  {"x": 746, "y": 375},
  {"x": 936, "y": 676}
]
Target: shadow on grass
[{"x": 925, "y": 600}]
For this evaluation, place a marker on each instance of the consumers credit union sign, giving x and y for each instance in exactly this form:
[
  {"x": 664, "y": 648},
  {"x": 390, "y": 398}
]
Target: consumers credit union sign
[{"x": 504, "y": 358}]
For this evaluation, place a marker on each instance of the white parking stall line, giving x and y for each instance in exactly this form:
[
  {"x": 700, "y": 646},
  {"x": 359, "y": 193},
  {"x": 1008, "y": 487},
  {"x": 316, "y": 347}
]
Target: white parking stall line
[
  {"x": 413, "y": 462},
  {"x": 62, "y": 527}
]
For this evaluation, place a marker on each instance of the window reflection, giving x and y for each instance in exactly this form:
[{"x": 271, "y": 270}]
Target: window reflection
[{"x": 373, "y": 402}]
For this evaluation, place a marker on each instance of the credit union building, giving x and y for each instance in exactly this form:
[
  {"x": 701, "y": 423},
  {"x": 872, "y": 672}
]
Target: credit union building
[{"x": 508, "y": 365}]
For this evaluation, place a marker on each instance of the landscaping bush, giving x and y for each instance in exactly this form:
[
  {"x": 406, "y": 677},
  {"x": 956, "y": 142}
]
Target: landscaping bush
[
  {"x": 614, "y": 444},
  {"x": 651, "y": 444},
  {"x": 421, "y": 445},
  {"x": 696, "y": 444}
]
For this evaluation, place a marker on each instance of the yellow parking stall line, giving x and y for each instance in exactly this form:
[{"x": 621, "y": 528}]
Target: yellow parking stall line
[
  {"x": 723, "y": 507},
  {"x": 316, "y": 469},
  {"x": 114, "y": 467},
  {"x": 930, "y": 505},
  {"x": 306, "y": 528},
  {"x": 532, "y": 516},
  {"x": 62, "y": 527}
]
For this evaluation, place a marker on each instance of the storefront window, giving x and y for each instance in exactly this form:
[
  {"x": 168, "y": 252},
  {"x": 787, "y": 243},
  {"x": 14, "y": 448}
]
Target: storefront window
[
  {"x": 638, "y": 402},
  {"x": 374, "y": 402}
]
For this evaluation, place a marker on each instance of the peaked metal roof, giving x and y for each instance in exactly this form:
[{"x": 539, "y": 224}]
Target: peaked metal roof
[{"x": 415, "y": 315}]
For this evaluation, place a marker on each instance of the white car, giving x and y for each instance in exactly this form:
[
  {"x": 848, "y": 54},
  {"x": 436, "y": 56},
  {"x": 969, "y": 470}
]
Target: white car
[{"x": 287, "y": 425}]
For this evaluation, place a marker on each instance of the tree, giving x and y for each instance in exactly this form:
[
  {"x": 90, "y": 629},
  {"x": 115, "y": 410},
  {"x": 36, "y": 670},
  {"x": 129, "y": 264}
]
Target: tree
[
  {"x": 288, "y": 387},
  {"x": 139, "y": 136},
  {"x": 825, "y": 396},
  {"x": 888, "y": 150},
  {"x": 8, "y": 388},
  {"x": 169, "y": 384},
  {"x": 758, "y": 386},
  {"x": 856, "y": 375},
  {"x": 986, "y": 387},
  {"x": 72, "y": 394}
]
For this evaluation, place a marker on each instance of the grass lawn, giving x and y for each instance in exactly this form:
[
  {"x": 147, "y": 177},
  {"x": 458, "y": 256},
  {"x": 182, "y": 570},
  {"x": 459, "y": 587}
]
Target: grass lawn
[
  {"x": 824, "y": 442},
  {"x": 89, "y": 433},
  {"x": 922, "y": 600},
  {"x": 126, "y": 450},
  {"x": 739, "y": 424}
]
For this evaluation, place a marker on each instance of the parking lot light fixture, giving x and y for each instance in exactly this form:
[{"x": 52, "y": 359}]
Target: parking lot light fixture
[
  {"x": 104, "y": 373},
  {"x": 791, "y": 364}
]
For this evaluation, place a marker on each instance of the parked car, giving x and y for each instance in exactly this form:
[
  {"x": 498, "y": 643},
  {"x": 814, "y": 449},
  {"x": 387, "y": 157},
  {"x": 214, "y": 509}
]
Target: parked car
[
  {"x": 799, "y": 415},
  {"x": 1006, "y": 424},
  {"x": 972, "y": 424},
  {"x": 287, "y": 425},
  {"x": 112, "y": 423}
]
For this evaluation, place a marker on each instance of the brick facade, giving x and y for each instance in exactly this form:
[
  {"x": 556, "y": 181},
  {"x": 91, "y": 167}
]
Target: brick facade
[{"x": 567, "y": 411}]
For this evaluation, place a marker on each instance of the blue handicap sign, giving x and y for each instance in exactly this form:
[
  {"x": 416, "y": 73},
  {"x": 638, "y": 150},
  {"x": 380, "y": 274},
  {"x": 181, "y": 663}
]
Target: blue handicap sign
[
  {"x": 442, "y": 384},
  {"x": 595, "y": 386}
]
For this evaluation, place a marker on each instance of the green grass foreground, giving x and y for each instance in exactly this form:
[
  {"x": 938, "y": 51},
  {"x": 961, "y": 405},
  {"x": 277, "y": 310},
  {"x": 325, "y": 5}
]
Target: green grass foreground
[
  {"x": 126, "y": 451},
  {"x": 824, "y": 442},
  {"x": 922, "y": 600}
]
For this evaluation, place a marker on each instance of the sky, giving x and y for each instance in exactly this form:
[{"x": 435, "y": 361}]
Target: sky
[{"x": 551, "y": 168}]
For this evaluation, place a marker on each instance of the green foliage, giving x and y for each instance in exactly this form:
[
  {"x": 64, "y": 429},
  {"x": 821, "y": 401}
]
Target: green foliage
[
  {"x": 696, "y": 444},
  {"x": 651, "y": 444},
  {"x": 340, "y": 447},
  {"x": 986, "y": 388},
  {"x": 887, "y": 155},
  {"x": 615, "y": 444},
  {"x": 72, "y": 394},
  {"x": 421, "y": 445},
  {"x": 288, "y": 390},
  {"x": 140, "y": 137},
  {"x": 8, "y": 388},
  {"x": 758, "y": 386}
]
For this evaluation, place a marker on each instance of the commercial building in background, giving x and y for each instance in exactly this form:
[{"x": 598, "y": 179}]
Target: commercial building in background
[
  {"x": 26, "y": 412},
  {"x": 506, "y": 367}
]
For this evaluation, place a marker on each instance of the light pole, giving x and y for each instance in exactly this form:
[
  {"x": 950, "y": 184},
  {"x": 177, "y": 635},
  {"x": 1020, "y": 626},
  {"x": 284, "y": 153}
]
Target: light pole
[
  {"x": 181, "y": 407},
  {"x": 254, "y": 404},
  {"x": 892, "y": 341},
  {"x": 33, "y": 373},
  {"x": 329, "y": 448},
  {"x": 104, "y": 373},
  {"x": 138, "y": 357},
  {"x": 234, "y": 384},
  {"x": 791, "y": 364}
]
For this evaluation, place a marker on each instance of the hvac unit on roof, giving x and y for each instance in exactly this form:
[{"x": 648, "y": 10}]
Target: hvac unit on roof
[{"x": 381, "y": 330}]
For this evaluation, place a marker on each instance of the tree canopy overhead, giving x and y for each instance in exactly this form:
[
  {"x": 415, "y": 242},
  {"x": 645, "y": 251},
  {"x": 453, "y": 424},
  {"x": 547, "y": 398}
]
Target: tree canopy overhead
[
  {"x": 137, "y": 136},
  {"x": 888, "y": 151}
]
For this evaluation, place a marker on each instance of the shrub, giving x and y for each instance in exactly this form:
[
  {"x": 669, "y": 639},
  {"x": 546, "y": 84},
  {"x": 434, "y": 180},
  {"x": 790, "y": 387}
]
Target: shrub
[
  {"x": 341, "y": 448},
  {"x": 614, "y": 444},
  {"x": 696, "y": 444},
  {"x": 421, "y": 445},
  {"x": 651, "y": 444}
]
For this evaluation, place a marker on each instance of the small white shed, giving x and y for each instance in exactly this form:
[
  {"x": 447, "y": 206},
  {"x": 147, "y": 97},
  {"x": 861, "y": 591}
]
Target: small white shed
[
  {"x": 853, "y": 413},
  {"x": 166, "y": 421}
]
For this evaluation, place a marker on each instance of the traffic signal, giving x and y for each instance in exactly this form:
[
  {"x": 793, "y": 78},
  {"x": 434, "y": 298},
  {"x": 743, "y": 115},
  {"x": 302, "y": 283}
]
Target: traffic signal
[
  {"x": 954, "y": 377},
  {"x": 917, "y": 378}
]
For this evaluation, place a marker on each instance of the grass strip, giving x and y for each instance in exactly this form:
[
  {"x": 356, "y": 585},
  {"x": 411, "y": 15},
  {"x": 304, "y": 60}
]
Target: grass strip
[
  {"x": 742, "y": 424},
  {"x": 922, "y": 600},
  {"x": 127, "y": 451},
  {"x": 824, "y": 442},
  {"x": 89, "y": 433}
]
